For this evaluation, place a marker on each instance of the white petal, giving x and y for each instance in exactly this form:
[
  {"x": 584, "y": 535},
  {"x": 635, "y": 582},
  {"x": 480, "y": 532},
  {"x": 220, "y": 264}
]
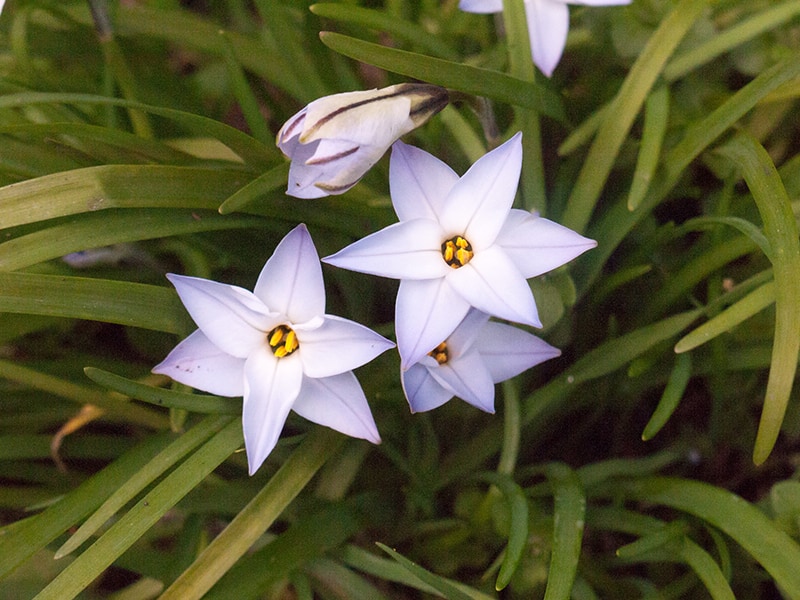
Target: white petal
[
  {"x": 371, "y": 117},
  {"x": 418, "y": 182},
  {"x": 481, "y": 6},
  {"x": 422, "y": 391},
  {"x": 468, "y": 377},
  {"x": 426, "y": 313},
  {"x": 548, "y": 24},
  {"x": 232, "y": 318},
  {"x": 337, "y": 346},
  {"x": 338, "y": 402},
  {"x": 198, "y": 363},
  {"x": 508, "y": 351},
  {"x": 271, "y": 387},
  {"x": 491, "y": 283},
  {"x": 288, "y": 136},
  {"x": 465, "y": 335},
  {"x": 291, "y": 282},
  {"x": 537, "y": 245},
  {"x": 479, "y": 203},
  {"x": 405, "y": 250}
]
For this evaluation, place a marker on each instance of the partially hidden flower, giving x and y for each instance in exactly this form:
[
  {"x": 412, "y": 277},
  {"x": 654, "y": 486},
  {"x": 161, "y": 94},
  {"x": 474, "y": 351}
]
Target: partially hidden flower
[
  {"x": 459, "y": 244},
  {"x": 548, "y": 24},
  {"x": 478, "y": 354},
  {"x": 277, "y": 348},
  {"x": 336, "y": 139}
]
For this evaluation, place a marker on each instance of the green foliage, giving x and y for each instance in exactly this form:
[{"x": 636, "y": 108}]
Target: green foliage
[{"x": 623, "y": 469}]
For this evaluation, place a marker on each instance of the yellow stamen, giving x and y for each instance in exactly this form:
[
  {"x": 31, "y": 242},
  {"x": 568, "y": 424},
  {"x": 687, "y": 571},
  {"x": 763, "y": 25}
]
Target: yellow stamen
[
  {"x": 283, "y": 341},
  {"x": 457, "y": 251},
  {"x": 440, "y": 354}
]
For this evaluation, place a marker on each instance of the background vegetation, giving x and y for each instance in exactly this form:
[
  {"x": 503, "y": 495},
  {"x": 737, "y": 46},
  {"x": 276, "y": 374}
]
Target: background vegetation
[{"x": 657, "y": 457}]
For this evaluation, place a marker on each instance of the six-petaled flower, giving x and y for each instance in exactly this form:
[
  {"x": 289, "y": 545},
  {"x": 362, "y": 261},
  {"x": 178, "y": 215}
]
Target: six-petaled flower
[
  {"x": 277, "y": 348},
  {"x": 459, "y": 244},
  {"x": 548, "y": 24}
]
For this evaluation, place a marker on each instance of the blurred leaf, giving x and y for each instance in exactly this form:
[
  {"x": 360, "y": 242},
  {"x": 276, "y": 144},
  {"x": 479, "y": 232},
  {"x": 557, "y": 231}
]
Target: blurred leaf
[
  {"x": 142, "y": 478},
  {"x": 656, "y": 115},
  {"x": 35, "y": 533},
  {"x": 671, "y": 397},
  {"x": 753, "y": 303},
  {"x": 745, "y": 523},
  {"x": 623, "y": 111},
  {"x": 125, "y": 532},
  {"x": 569, "y": 518},
  {"x": 780, "y": 229},
  {"x": 254, "y": 519},
  {"x": 440, "y": 584}
]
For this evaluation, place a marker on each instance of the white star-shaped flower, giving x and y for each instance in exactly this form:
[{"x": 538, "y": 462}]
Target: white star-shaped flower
[
  {"x": 277, "y": 348},
  {"x": 336, "y": 139},
  {"x": 459, "y": 244},
  {"x": 548, "y": 24},
  {"x": 470, "y": 361}
]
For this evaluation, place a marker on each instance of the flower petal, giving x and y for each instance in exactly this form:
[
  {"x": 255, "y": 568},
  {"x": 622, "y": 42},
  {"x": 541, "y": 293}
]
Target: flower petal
[
  {"x": 491, "y": 283},
  {"x": 337, "y": 346},
  {"x": 422, "y": 391},
  {"x": 426, "y": 313},
  {"x": 288, "y": 138},
  {"x": 291, "y": 282},
  {"x": 548, "y": 24},
  {"x": 467, "y": 332},
  {"x": 418, "y": 182},
  {"x": 481, "y": 6},
  {"x": 198, "y": 363},
  {"x": 338, "y": 402},
  {"x": 271, "y": 387},
  {"x": 469, "y": 378},
  {"x": 536, "y": 245},
  {"x": 508, "y": 351},
  {"x": 479, "y": 202},
  {"x": 232, "y": 318},
  {"x": 405, "y": 250}
]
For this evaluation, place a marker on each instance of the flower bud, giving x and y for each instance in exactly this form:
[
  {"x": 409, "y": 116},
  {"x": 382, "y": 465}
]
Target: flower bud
[{"x": 334, "y": 140}]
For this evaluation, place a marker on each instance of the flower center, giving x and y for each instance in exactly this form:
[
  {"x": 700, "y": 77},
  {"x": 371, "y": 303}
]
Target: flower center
[
  {"x": 283, "y": 341},
  {"x": 457, "y": 251},
  {"x": 440, "y": 354}
]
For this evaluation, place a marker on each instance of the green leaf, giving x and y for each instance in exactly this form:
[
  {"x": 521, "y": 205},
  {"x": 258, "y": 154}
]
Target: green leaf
[
  {"x": 569, "y": 516},
  {"x": 17, "y": 545},
  {"x": 517, "y": 528},
  {"x": 262, "y": 185},
  {"x": 623, "y": 110},
  {"x": 743, "y": 522},
  {"x": 144, "y": 514},
  {"x": 197, "y": 403},
  {"x": 671, "y": 397},
  {"x": 734, "y": 315},
  {"x": 780, "y": 228},
  {"x": 452, "y": 75},
  {"x": 440, "y": 584},
  {"x": 142, "y": 478},
  {"x": 254, "y": 519},
  {"x": 116, "y": 186},
  {"x": 656, "y": 115},
  {"x": 109, "y": 227},
  {"x": 134, "y": 304}
]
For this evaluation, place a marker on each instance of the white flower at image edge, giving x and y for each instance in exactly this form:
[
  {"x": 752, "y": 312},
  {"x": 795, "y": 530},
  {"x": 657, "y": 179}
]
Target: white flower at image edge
[
  {"x": 336, "y": 139},
  {"x": 459, "y": 244},
  {"x": 277, "y": 348},
  {"x": 474, "y": 357},
  {"x": 548, "y": 24}
]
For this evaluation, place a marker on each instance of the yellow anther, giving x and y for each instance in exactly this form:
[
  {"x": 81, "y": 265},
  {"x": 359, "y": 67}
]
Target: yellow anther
[
  {"x": 283, "y": 341},
  {"x": 457, "y": 251},
  {"x": 440, "y": 353}
]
